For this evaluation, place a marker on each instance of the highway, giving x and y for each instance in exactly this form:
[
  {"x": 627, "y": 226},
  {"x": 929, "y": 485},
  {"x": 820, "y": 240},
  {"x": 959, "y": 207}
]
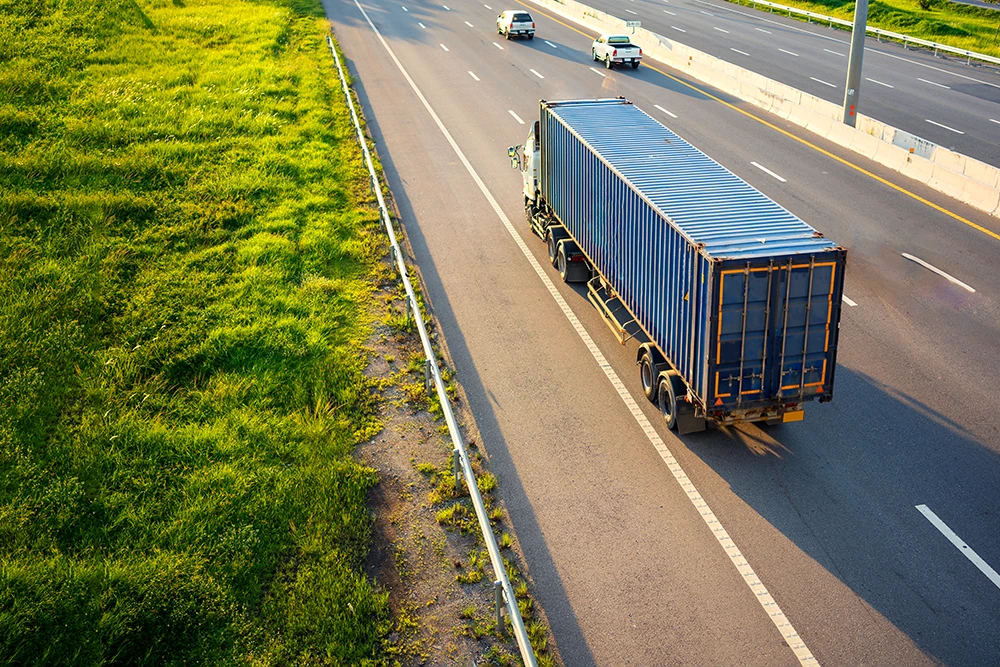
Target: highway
[
  {"x": 628, "y": 567},
  {"x": 942, "y": 100}
]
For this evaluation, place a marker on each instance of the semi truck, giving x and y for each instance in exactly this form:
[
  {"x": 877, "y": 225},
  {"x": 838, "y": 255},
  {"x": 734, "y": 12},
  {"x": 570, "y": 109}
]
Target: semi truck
[{"x": 734, "y": 301}]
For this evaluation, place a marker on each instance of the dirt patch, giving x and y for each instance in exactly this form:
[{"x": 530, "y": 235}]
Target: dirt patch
[{"x": 428, "y": 551}]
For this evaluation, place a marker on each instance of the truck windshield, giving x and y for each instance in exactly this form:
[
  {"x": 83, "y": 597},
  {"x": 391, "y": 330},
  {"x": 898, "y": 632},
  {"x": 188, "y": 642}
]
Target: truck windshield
[{"x": 618, "y": 40}]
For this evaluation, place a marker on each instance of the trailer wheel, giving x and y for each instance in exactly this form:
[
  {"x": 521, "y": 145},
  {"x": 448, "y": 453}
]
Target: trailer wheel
[
  {"x": 648, "y": 376},
  {"x": 668, "y": 397}
]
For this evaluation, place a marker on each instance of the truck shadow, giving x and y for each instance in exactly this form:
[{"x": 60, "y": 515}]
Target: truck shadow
[{"x": 843, "y": 487}]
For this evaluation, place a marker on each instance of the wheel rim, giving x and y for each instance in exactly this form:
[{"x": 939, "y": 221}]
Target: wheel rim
[
  {"x": 562, "y": 263},
  {"x": 666, "y": 407},
  {"x": 646, "y": 372}
]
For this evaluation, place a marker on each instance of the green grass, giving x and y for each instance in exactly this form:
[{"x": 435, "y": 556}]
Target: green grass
[
  {"x": 187, "y": 255},
  {"x": 953, "y": 24}
]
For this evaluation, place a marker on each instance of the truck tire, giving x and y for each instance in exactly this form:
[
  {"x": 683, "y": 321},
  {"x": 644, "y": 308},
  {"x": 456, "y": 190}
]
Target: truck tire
[
  {"x": 608, "y": 62},
  {"x": 593, "y": 54},
  {"x": 647, "y": 374},
  {"x": 531, "y": 35},
  {"x": 668, "y": 396},
  {"x": 635, "y": 64},
  {"x": 556, "y": 234},
  {"x": 507, "y": 33},
  {"x": 570, "y": 271}
]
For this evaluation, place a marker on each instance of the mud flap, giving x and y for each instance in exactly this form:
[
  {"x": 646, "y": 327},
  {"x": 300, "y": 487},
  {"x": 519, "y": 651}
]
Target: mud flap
[{"x": 688, "y": 423}]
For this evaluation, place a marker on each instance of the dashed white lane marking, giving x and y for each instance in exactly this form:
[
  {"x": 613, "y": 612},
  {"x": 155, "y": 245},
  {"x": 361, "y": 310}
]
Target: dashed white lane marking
[
  {"x": 469, "y": 24},
  {"x": 498, "y": 46},
  {"x": 707, "y": 13},
  {"x": 672, "y": 115},
  {"x": 551, "y": 44},
  {"x": 667, "y": 11},
  {"x": 789, "y": 53},
  {"x": 678, "y": 29},
  {"x": 405, "y": 9},
  {"x": 472, "y": 74},
  {"x": 825, "y": 83},
  {"x": 934, "y": 83},
  {"x": 769, "y": 172},
  {"x": 742, "y": 53},
  {"x": 446, "y": 8},
  {"x": 720, "y": 30},
  {"x": 421, "y": 25},
  {"x": 597, "y": 71},
  {"x": 516, "y": 117},
  {"x": 739, "y": 561},
  {"x": 938, "y": 271},
  {"x": 631, "y": 12},
  {"x": 849, "y": 302},
  {"x": 488, "y": 7},
  {"x": 536, "y": 74},
  {"x": 960, "y": 544},
  {"x": 443, "y": 47},
  {"x": 934, "y": 122},
  {"x": 765, "y": 31},
  {"x": 879, "y": 82},
  {"x": 995, "y": 121},
  {"x": 836, "y": 53}
]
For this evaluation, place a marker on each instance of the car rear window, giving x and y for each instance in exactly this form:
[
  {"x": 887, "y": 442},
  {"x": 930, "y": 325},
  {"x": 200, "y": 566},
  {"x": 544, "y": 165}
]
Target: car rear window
[
  {"x": 618, "y": 40},
  {"x": 520, "y": 17}
]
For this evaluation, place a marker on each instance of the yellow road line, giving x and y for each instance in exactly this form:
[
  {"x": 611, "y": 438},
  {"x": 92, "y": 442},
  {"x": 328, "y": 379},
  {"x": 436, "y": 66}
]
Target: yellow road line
[{"x": 788, "y": 134}]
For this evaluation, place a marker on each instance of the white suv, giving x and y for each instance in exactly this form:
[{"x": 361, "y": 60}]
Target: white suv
[{"x": 516, "y": 23}]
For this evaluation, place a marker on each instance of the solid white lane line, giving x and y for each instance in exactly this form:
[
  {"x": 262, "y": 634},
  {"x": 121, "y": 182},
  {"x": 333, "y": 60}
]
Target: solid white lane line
[
  {"x": 667, "y": 11},
  {"x": 672, "y": 115},
  {"x": 443, "y": 47},
  {"x": 516, "y": 117},
  {"x": 678, "y": 29},
  {"x": 597, "y": 71},
  {"x": 789, "y": 53},
  {"x": 932, "y": 122},
  {"x": 849, "y": 302},
  {"x": 963, "y": 548},
  {"x": 536, "y": 74},
  {"x": 769, "y": 172},
  {"x": 879, "y": 82},
  {"x": 762, "y": 30},
  {"x": 469, "y": 24},
  {"x": 836, "y": 53},
  {"x": 933, "y": 83},
  {"x": 421, "y": 25},
  {"x": 738, "y": 51},
  {"x": 739, "y": 561},
  {"x": 822, "y": 81},
  {"x": 631, "y": 12},
  {"x": 937, "y": 271},
  {"x": 551, "y": 44},
  {"x": 498, "y": 46},
  {"x": 473, "y": 75},
  {"x": 720, "y": 30}
]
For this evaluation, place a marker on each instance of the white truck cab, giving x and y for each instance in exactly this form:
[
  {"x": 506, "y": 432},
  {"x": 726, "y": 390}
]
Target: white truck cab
[
  {"x": 616, "y": 50},
  {"x": 516, "y": 23}
]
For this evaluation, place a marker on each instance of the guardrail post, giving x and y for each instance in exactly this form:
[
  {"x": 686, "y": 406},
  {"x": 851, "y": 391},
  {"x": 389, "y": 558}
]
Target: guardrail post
[
  {"x": 456, "y": 460},
  {"x": 427, "y": 377},
  {"x": 406, "y": 309},
  {"x": 498, "y": 588}
]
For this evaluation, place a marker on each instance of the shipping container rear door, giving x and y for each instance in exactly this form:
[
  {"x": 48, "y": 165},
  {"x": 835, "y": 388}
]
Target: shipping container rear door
[{"x": 774, "y": 332}]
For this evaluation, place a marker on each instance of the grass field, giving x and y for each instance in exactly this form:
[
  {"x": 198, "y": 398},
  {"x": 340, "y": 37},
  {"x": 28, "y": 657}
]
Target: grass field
[
  {"x": 961, "y": 26},
  {"x": 186, "y": 256}
]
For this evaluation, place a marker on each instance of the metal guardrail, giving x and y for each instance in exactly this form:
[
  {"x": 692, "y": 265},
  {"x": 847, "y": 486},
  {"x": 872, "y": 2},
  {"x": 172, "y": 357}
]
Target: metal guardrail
[
  {"x": 432, "y": 375},
  {"x": 879, "y": 33}
]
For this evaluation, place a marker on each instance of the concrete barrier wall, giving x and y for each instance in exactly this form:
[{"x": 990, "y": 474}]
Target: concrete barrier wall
[{"x": 966, "y": 179}]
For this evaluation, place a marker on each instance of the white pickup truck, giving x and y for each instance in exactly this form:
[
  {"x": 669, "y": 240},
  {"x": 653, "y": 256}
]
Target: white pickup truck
[
  {"x": 616, "y": 49},
  {"x": 516, "y": 23}
]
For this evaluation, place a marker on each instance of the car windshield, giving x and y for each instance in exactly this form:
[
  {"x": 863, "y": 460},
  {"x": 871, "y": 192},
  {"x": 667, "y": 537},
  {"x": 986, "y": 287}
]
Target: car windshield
[
  {"x": 522, "y": 17},
  {"x": 620, "y": 39}
]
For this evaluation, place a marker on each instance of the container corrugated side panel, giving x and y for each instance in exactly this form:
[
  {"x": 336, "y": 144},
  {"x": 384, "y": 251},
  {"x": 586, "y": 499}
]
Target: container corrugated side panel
[{"x": 656, "y": 271}]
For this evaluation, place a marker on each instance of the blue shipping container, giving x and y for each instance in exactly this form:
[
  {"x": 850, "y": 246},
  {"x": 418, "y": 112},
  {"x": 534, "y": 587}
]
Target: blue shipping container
[{"x": 742, "y": 297}]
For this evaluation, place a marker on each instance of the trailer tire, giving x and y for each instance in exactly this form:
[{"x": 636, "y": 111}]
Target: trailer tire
[
  {"x": 670, "y": 389},
  {"x": 562, "y": 263},
  {"x": 647, "y": 375}
]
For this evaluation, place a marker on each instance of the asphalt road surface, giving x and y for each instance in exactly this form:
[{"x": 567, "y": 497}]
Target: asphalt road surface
[
  {"x": 628, "y": 562},
  {"x": 942, "y": 100}
]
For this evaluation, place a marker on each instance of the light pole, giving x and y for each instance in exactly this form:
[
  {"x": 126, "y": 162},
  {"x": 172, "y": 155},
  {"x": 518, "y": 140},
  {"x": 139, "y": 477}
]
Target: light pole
[{"x": 853, "y": 88}]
